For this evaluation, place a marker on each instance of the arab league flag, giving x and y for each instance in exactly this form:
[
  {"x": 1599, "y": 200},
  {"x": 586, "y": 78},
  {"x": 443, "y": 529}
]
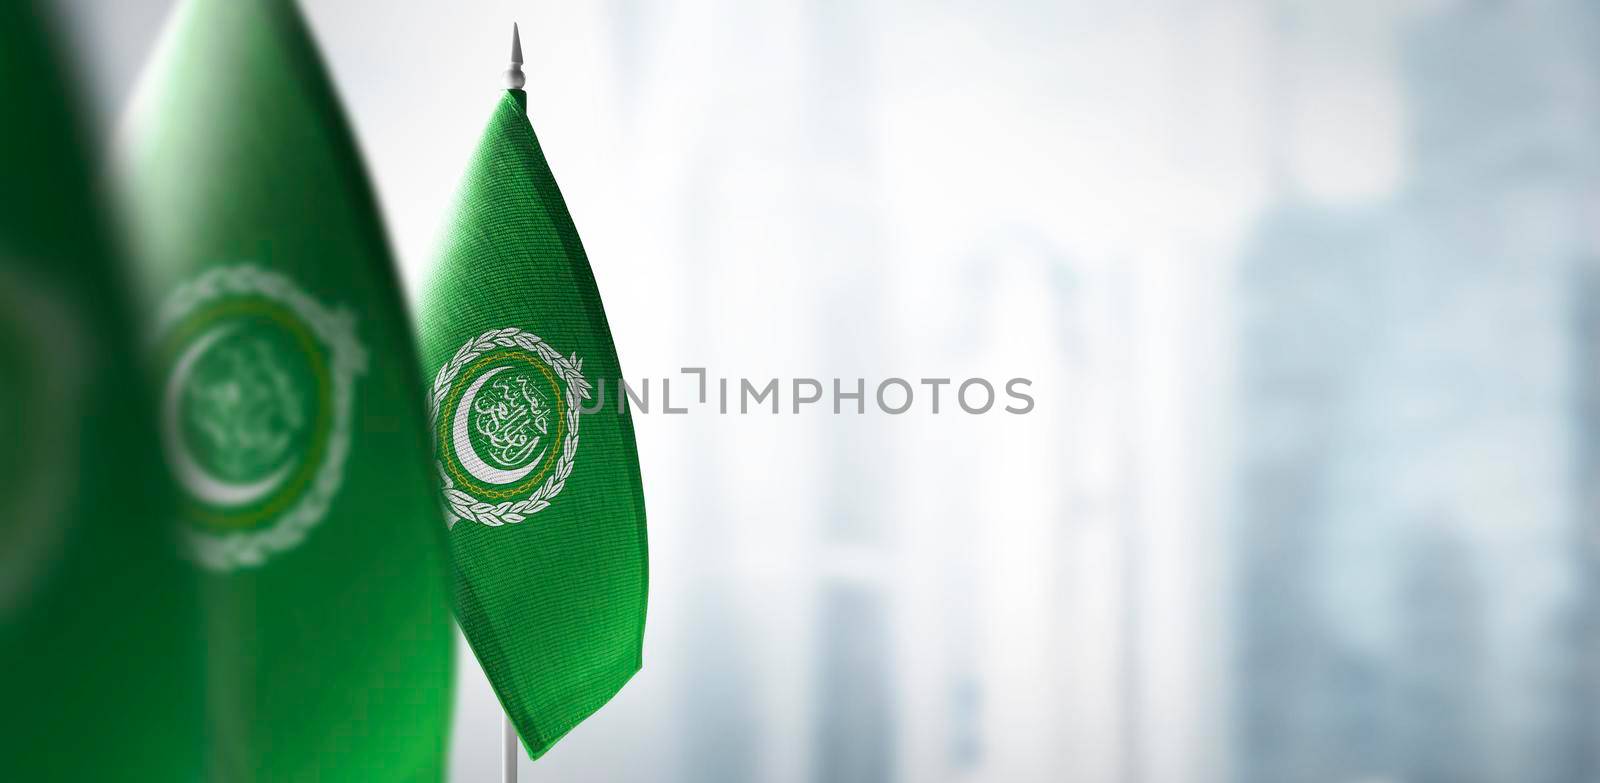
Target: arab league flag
[
  {"x": 543, "y": 501},
  {"x": 99, "y": 641},
  {"x": 292, "y": 411}
]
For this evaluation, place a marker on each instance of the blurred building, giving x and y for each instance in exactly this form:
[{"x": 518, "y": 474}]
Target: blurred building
[
  {"x": 1309, "y": 692},
  {"x": 1411, "y": 449},
  {"x": 855, "y": 724},
  {"x": 1442, "y": 659}
]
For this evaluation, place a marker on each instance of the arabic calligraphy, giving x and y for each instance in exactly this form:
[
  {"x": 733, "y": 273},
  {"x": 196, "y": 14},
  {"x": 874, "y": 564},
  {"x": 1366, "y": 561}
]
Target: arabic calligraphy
[
  {"x": 512, "y": 418},
  {"x": 245, "y": 405}
]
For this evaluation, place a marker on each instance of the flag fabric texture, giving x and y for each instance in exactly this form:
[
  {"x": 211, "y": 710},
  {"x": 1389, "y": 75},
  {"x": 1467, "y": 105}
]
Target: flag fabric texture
[
  {"x": 543, "y": 500},
  {"x": 292, "y": 413},
  {"x": 99, "y": 641}
]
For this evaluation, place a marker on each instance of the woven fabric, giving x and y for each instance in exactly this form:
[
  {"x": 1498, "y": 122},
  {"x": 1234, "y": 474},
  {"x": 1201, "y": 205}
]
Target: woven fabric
[
  {"x": 292, "y": 410},
  {"x": 547, "y": 532}
]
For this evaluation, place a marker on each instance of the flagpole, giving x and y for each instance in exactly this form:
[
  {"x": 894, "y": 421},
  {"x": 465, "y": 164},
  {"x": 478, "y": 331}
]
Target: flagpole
[
  {"x": 515, "y": 79},
  {"x": 508, "y": 750}
]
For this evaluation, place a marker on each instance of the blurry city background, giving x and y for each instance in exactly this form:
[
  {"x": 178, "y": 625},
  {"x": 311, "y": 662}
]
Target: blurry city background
[{"x": 1310, "y": 293}]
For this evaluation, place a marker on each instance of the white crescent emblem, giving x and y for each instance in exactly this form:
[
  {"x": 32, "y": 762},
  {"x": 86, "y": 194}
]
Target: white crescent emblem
[
  {"x": 461, "y": 437},
  {"x": 194, "y": 478},
  {"x": 498, "y": 424}
]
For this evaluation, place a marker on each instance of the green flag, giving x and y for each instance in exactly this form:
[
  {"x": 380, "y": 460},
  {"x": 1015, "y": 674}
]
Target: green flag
[
  {"x": 99, "y": 643},
  {"x": 543, "y": 500},
  {"x": 292, "y": 411}
]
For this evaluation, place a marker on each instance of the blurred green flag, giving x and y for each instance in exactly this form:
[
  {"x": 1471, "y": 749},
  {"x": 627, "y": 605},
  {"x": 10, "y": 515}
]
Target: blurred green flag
[
  {"x": 544, "y": 503},
  {"x": 292, "y": 412},
  {"x": 99, "y": 645}
]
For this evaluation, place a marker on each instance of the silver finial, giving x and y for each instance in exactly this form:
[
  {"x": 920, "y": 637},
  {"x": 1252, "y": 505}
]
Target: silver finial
[{"x": 514, "y": 77}]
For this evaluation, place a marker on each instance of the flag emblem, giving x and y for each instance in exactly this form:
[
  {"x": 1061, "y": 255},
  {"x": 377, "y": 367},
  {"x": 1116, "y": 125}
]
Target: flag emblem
[
  {"x": 505, "y": 413},
  {"x": 256, "y": 410}
]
